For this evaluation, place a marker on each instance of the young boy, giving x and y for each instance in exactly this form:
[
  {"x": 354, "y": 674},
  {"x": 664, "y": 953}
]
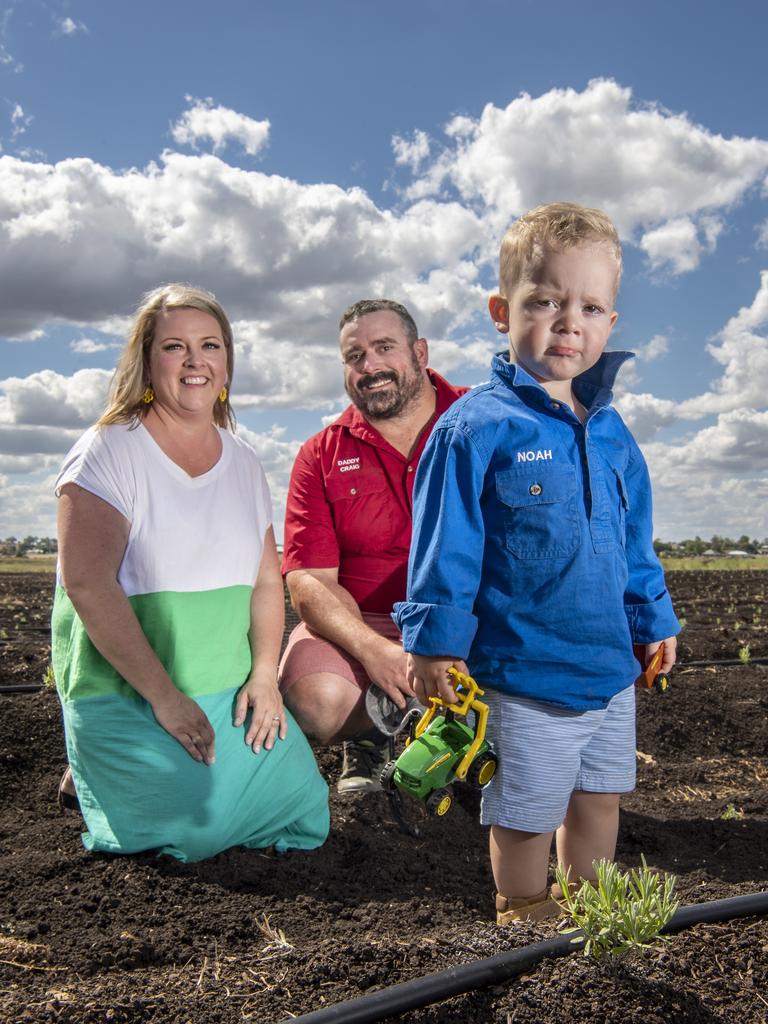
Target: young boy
[{"x": 532, "y": 559}]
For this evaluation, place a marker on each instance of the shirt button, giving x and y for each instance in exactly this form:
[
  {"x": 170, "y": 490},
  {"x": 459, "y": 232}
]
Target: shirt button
[
  {"x": 535, "y": 490},
  {"x": 353, "y": 490},
  {"x": 555, "y": 405},
  {"x": 410, "y": 469}
]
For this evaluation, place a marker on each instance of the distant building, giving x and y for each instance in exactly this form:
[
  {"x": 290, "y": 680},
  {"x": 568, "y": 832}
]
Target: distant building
[{"x": 737, "y": 554}]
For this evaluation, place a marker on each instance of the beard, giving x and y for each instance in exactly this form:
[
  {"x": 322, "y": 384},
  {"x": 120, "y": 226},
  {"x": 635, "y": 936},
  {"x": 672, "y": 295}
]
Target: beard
[{"x": 387, "y": 405}]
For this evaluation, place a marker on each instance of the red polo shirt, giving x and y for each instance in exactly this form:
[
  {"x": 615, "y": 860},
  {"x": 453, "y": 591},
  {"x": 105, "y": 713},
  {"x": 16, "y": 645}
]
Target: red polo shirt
[{"x": 350, "y": 505}]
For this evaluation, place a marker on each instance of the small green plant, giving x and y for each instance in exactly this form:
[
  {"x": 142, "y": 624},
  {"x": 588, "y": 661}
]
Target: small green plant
[
  {"x": 49, "y": 679},
  {"x": 624, "y": 912},
  {"x": 732, "y": 813},
  {"x": 683, "y": 621},
  {"x": 744, "y": 654}
]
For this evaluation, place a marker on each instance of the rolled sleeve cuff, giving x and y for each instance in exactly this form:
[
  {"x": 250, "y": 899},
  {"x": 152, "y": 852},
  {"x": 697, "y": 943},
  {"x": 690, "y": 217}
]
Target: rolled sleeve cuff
[
  {"x": 435, "y": 629},
  {"x": 653, "y": 620}
]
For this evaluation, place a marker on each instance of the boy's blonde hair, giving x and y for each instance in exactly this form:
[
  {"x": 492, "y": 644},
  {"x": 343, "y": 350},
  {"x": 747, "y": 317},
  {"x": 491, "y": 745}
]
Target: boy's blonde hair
[
  {"x": 556, "y": 226},
  {"x": 125, "y": 402}
]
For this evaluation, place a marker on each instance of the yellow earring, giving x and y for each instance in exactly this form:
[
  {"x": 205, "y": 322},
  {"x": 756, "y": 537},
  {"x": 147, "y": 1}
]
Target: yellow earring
[
  {"x": 223, "y": 395},
  {"x": 149, "y": 395}
]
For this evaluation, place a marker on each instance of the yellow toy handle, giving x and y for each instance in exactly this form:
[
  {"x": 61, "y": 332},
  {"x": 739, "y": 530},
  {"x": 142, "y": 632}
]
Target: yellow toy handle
[{"x": 468, "y": 703}]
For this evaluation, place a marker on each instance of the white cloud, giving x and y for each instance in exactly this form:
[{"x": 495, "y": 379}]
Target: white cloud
[
  {"x": 643, "y": 165},
  {"x": 716, "y": 481},
  {"x": 19, "y": 121},
  {"x": 28, "y": 505},
  {"x": 742, "y": 350},
  {"x": 678, "y": 244},
  {"x": 656, "y": 347},
  {"x": 645, "y": 415},
  {"x": 86, "y": 346},
  {"x": 221, "y": 125},
  {"x": 69, "y": 27},
  {"x": 80, "y": 242},
  {"x": 32, "y": 440},
  {"x": 48, "y": 399},
  {"x": 287, "y": 255},
  {"x": 447, "y": 356},
  {"x": 276, "y": 457},
  {"x": 411, "y": 153}
]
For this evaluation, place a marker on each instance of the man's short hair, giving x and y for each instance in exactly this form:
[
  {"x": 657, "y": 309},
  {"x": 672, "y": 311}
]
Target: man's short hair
[
  {"x": 366, "y": 306},
  {"x": 556, "y": 226}
]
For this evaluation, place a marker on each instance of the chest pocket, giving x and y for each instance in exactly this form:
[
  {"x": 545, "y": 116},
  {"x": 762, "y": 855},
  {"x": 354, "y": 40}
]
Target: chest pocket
[
  {"x": 539, "y": 510},
  {"x": 362, "y": 511}
]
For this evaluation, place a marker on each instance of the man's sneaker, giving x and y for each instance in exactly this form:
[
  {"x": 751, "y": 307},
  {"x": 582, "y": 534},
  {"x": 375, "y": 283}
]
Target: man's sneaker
[{"x": 363, "y": 763}]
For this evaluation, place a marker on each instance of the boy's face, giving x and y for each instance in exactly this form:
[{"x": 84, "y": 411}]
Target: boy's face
[{"x": 560, "y": 315}]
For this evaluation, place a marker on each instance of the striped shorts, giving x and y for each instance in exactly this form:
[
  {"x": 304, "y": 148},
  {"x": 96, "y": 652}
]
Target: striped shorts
[{"x": 546, "y": 753}]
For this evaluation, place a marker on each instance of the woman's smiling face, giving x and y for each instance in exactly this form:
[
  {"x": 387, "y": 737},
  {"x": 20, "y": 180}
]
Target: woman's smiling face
[{"x": 187, "y": 363}]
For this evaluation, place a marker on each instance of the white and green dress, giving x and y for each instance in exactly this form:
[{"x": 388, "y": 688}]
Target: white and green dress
[{"x": 192, "y": 557}]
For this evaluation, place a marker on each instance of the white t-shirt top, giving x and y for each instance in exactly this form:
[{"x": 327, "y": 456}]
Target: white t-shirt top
[{"x": 186, "y": 533}]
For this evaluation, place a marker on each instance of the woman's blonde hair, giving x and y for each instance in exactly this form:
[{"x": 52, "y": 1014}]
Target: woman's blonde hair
[{"x": 129, "y": 382}]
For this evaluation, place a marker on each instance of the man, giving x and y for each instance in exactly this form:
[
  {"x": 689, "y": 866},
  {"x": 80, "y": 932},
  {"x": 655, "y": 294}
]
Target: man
[{"x": 347, "y": 534}]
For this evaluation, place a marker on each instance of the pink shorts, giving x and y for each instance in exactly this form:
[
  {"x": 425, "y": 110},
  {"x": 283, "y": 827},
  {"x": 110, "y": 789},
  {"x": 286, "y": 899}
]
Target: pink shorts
[{"x": 307, "y": 653}]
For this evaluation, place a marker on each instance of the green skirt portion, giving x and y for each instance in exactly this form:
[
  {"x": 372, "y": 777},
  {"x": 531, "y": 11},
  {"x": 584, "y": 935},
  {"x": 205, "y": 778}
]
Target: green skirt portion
[{"x": 140, "y": 790}]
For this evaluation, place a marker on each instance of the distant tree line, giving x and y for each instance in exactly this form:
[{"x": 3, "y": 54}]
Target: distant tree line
[
  {"x": 12, "y": 546},
  {"x": 714, "y": 546}
]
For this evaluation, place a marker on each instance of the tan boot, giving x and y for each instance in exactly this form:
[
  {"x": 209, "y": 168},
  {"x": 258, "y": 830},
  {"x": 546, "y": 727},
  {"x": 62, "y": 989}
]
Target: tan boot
[
  {"x": 556, "y": 893},
  {"x": 535, "y": 908}
]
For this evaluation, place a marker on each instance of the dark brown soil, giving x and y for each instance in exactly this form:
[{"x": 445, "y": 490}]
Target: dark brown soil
[{"x": 251, "y": 936}]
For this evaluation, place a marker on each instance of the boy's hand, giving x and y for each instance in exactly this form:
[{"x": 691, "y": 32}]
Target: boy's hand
[
  {"x": 429, "y": 677},
  {"x": 670, "y": 652}
]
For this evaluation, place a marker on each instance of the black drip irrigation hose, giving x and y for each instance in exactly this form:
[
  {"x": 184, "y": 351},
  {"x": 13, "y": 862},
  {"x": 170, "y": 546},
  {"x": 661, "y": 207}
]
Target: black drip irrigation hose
[
  {"x": 412, "y": 995},
  {"x": 730, "y": 661}
]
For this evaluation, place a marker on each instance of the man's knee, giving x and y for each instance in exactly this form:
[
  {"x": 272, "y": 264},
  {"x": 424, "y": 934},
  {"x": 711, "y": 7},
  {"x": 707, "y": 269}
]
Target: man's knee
[{"x": 325, "y": 705}]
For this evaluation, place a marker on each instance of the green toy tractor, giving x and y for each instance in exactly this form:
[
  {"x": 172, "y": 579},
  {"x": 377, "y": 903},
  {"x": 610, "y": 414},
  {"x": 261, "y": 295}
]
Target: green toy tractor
[{"x": 442, "y": 749}]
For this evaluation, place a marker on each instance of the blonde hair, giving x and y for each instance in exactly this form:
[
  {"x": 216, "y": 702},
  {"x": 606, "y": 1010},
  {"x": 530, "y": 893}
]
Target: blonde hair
[
  {"x": 129, "y": 381},
  {"x": 556, "y": 226}
]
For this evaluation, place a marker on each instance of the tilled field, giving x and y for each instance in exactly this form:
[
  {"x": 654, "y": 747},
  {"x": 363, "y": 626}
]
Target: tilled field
[{"x": 252, "y": 936}]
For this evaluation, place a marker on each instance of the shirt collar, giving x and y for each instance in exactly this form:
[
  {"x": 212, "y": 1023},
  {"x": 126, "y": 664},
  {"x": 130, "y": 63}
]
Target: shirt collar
[{"x": 593, "y": 388}]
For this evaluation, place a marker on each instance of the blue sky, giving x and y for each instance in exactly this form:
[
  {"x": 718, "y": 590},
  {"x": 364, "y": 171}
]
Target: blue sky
[{"x": 294, "y": 157}]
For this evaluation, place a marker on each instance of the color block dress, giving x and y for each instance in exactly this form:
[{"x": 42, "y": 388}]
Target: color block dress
[{"x": 192, "y": 558}]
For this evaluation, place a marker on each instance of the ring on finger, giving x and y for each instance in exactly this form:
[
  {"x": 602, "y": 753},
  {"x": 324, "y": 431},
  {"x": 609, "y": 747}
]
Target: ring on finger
[{"x": 275, "y": 718}]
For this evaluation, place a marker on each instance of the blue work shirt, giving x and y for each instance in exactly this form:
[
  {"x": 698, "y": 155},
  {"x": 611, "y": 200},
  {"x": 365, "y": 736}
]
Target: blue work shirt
[{"x": 532, "y": 554}]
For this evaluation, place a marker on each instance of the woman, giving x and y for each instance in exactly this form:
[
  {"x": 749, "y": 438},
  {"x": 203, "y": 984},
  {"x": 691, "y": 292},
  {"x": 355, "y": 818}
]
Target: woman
[{"x": 168, "y": 616}]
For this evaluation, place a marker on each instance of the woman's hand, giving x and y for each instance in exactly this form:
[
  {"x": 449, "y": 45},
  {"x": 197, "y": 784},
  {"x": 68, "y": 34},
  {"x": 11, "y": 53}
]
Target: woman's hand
[
  {"x": 261, "y": 694},
  {"x": 183, "y": 719}
]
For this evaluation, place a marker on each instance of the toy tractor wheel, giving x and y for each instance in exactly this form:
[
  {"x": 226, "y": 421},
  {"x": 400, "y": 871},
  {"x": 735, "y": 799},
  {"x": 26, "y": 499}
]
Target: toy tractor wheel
[
  {"x": 387, "y": 777},
  {"x": 661, "y": 682},
  {"x": 482, "y": 770},
  {"x": 439, "y": 802}
]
